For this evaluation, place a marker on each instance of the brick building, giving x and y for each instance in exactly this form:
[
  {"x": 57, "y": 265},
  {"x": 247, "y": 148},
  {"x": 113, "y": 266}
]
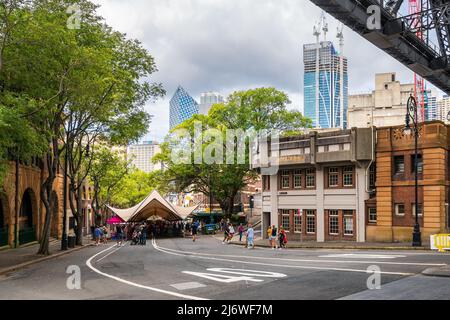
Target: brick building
[
  {"x": 391, "y": 216},
  {"x": 29, "y": 215},
  {"x": 320, "y": 189}
]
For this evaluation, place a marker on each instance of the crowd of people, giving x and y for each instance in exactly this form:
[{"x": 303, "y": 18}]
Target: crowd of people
[
  {"x": 277, "y": 238},
  {"x": 229, "y": 232}
]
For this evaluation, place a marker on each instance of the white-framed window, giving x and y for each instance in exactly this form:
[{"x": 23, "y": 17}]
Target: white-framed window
[
  {"x": 310, "y": 178},
  {"x": 348, "y": 223},
  {"x": 285, "y": 179},
  {"x": 373, "y": 215},
  {"x": 399, "y": 209},
  {"x": 333, "y": 177},
  {"x": 298, "y": 179},
  {"x": 297, "y": 223},
  {"x": 310, "y": 222},
  {"x": 285, "y": 219},
  {"x": 413, "y": 210},
  {"x": 348, "y": 176},
  {"x": 333, "y": 222}
]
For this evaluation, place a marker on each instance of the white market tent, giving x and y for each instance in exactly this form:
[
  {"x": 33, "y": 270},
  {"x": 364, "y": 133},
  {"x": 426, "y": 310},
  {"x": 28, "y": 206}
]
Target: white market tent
[{"x": 153, "y": 205}]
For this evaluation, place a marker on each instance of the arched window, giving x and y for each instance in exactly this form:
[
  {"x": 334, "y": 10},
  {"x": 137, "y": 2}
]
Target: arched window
[{"x": 26, "y": 211}]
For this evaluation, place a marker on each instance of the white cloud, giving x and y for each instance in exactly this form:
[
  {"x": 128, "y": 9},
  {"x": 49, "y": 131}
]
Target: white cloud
[{"x": 226, "y": 45}]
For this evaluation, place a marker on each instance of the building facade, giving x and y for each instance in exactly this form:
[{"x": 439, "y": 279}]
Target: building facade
[
  {"x": 386, "y": 105},
  {"x": 207, "y": 100},
  {"x": 322, "y": 85},
  {"x": 22, "y": 213},
  {"x": 443, "y": 106},
  {"x": 141, "y": 156},
  {"x": 320, "y": 189},
  {"x": 391, "y": 216},
  {"x": 182, "y": 107}
]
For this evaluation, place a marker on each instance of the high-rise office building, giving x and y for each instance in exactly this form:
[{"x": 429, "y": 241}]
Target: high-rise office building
[
  {"x": 141, "y": 156},
  {"x": 207, "y": 100},
  {"x": 182, "y": 107},
  {"x": 325, "y": 70},
  {"x": 431, "y": 106},
  {"x": 444, "y": 109}
]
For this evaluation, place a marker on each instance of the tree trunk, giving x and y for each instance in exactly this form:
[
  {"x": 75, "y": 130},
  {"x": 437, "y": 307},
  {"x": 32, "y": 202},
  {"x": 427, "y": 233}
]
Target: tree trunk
[
  {"x": 80, "y": 219},
  {"x": 48, "y": 201}
]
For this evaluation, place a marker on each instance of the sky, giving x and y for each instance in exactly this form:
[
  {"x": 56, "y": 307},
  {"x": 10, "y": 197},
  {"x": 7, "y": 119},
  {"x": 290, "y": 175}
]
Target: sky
[{"x": 228, "y": 45}]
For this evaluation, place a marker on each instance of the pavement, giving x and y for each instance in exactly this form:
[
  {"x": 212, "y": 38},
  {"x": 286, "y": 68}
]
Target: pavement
[
  {"x": 332, "y": 245},
  {"x": 181, "y": 269},
  {"x": 13, "y": 259}
]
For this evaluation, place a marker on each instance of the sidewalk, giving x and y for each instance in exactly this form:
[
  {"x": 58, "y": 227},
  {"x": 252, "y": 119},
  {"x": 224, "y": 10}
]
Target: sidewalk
[
  {"x": 12, "y": 259},
  {"x": 332, "y": 245}
]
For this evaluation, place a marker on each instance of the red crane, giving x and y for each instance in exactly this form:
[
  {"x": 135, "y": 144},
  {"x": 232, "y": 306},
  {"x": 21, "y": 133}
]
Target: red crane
[{"x": 415, "y": 8}]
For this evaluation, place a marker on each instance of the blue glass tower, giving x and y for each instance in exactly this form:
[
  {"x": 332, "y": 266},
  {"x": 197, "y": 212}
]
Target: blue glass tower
[
  {"x": 328, "y": 114},
  {"x": 182, "y": 107}
]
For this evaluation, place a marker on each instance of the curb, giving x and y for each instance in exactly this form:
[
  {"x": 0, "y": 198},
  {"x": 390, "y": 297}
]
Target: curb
[
  {"x": 45, "y": 258},
  {"x": 340, "y": 247},
  {"x": 443, "y": 272}
]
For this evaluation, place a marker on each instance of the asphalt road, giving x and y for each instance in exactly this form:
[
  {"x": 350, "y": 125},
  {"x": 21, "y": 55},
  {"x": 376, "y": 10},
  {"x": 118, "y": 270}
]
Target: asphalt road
[{"x": 207, "y": 269}]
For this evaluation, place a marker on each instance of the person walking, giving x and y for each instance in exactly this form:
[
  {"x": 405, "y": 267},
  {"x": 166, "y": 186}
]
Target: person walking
[
  {"x": 274, "y": 237},
  {"x": 105, "y": 235},
  {"x": 226, "y": 233},
  {"x": 231, "y": 232},
  {"x": 195, "y": 226},
  {"x": 269, "y": 235},
  {"x": 282, "y": 238},
  {"x": 250, "y": 237},
  {"x": 144, "y": 234},
  {"x": 98, "y": 235},
  {"x": 241, "y": 232},
  {"x": 119, "y": 235}
]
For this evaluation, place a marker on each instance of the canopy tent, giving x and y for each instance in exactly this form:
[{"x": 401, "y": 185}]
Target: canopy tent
[{"x": 153, "y": 205}]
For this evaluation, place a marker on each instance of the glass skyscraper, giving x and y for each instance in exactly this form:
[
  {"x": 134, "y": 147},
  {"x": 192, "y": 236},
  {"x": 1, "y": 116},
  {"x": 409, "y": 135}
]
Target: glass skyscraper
[
  {"x": 182, "y": 107},
  {"x": 328, "y": 114}
]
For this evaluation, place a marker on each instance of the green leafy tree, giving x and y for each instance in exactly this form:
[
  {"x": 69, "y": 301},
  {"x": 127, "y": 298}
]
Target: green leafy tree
[{"x": 257, "y": 109}]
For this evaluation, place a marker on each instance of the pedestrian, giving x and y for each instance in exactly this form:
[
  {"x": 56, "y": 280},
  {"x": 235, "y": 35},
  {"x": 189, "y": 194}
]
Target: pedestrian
[
  {"x": 119, "y": 235},
  {"x": 250, "y": 237},
  {"x": 269, "y": 235},
  {"x": 274, "y": 237},
  {"x": 105, "y": 235},
  {"x": 282, "y": 238},
  {"x": 241, "y": 232},
  {"x": 144, "y": 235},
  {"x": 226, "y": 233},
  {"x": 98, "y": 235},
  {"x": 231, "y": 232},
  {"x": 195, "y": 226}
]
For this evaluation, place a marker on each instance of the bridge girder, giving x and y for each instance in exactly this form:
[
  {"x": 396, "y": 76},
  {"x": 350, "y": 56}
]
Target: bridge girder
[{"x": 396, "y": 38}]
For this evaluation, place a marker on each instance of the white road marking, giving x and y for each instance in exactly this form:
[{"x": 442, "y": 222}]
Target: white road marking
[
  {"x": 187, "y": 285},
  {"x": 245, "y": 272},
  {"x": 183, "y": 254},
  {"x": 109, "y": 254},
  {"x": 362, "y": 256},
  {"x": 221, "y": 277},
  {"x": 311, "y": 260},
  {"x": 175, "y": 294}
]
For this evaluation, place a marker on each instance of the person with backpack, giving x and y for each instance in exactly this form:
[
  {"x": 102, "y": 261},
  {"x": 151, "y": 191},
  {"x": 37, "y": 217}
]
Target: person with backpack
[
  {"x": 274, "y": 238},
  {"x": 195, "y": 226}
]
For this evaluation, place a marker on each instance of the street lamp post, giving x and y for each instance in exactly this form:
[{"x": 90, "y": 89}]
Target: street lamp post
[{"x": 412, "y": 116}]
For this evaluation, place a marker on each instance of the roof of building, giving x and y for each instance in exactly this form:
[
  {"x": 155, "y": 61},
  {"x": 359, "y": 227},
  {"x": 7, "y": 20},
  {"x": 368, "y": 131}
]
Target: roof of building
[{"x": 154, "y": 205}]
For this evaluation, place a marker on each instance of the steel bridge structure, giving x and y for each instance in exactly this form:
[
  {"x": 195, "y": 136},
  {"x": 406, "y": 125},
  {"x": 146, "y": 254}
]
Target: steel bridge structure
[{"x": 421, "y": 41}]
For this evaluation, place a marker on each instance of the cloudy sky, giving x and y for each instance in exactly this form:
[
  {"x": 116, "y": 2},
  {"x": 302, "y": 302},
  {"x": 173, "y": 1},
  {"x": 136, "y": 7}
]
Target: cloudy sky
[{"x": 228, "y": 45}]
